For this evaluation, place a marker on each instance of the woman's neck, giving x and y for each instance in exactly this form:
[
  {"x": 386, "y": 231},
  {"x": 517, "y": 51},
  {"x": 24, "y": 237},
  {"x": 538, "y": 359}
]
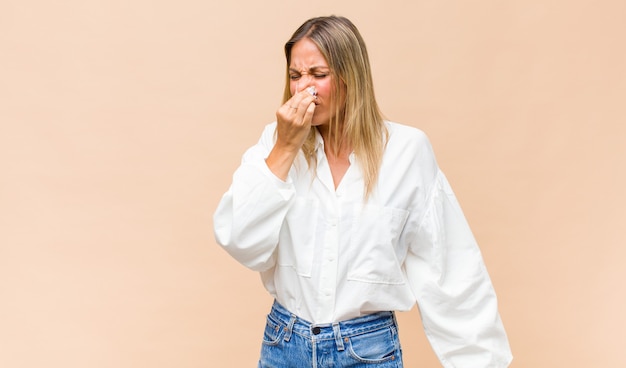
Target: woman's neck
[{"x": 335, "y": 148}]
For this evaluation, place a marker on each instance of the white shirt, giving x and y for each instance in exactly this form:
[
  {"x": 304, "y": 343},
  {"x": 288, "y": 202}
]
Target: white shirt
[{"x": 327, "y": 256}]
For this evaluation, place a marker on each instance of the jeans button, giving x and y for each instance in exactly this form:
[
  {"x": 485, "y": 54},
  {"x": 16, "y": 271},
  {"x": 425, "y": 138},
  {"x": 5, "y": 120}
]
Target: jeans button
[{"x": 316, "y": 330}]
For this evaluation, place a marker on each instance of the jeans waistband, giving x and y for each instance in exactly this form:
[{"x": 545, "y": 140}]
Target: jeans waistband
[{"x": 336, "y": 330}]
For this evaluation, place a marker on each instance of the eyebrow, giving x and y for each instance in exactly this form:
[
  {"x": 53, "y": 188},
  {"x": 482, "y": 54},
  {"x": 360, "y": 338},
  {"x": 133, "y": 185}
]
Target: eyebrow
[{"x": 311, "y": 69}]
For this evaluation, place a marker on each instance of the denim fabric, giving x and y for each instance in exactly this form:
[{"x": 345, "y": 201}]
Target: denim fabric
[{"x": 368, "y": 341}]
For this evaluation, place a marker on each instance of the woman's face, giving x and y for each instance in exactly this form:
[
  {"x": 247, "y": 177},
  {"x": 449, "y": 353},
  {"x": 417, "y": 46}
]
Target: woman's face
[{"x": 308, "y": 68}]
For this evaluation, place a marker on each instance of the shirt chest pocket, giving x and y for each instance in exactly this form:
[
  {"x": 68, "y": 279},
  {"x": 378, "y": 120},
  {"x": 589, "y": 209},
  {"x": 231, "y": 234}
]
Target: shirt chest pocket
[
  {"x": 298, "y": 236},
  {"x": 373, "y": 245}
]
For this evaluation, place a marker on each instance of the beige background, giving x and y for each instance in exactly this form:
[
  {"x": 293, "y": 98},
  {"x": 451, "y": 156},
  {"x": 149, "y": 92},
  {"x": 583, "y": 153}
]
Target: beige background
[{"x": 121, "y": 123}]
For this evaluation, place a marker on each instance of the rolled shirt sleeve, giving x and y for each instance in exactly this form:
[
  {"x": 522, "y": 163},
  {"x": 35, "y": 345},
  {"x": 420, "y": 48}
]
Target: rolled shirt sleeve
[{"x": 455, "y": 296}]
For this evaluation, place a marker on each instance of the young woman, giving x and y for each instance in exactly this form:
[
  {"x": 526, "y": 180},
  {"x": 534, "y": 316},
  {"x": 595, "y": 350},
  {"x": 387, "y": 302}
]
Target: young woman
[{"x": 348, "y": 218}]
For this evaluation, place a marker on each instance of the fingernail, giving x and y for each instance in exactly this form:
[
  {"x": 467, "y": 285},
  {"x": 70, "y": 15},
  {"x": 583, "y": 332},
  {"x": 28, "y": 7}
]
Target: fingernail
[{"x": 312, "y": 91}]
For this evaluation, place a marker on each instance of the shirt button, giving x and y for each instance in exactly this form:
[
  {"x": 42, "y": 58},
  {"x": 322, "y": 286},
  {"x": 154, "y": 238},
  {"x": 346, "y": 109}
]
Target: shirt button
[{"x": 316, "y": 330}]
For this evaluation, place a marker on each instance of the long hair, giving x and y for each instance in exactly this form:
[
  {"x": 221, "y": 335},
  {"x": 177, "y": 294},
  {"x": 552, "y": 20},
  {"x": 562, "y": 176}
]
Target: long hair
[{"x": 358, "y": 121}]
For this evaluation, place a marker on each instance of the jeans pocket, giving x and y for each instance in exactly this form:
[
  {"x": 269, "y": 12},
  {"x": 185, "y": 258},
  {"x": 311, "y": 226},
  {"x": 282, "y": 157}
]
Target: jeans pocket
[
  {"x": 274, "y": 331},
  {"x": 374, "y": 347}
]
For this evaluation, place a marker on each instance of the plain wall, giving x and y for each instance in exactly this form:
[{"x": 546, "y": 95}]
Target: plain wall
[{"x": 121, "y": 123}]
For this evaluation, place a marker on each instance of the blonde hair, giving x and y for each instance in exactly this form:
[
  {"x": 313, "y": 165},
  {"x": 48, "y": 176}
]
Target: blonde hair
[{"x": 362, "y": 123}]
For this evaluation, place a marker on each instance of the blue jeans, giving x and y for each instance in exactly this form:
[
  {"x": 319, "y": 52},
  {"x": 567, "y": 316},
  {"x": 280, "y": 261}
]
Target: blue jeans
[{"x": 368, "y": 341}]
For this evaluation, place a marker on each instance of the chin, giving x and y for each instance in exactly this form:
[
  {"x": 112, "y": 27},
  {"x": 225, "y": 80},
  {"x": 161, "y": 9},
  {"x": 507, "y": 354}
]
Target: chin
[{"x": 318, "y": 121}]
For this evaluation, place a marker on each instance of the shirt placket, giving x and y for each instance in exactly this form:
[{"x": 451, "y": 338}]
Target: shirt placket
[{"x": 329, "y": 264}]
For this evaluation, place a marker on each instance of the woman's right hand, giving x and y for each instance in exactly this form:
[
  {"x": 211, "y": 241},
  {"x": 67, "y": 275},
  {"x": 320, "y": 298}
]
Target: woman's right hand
[
  {"x": 294, "y": 120},
  {"x": 293, "y": 126}
]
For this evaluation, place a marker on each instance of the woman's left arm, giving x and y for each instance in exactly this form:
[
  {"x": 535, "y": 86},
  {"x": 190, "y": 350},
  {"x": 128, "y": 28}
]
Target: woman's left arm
[{"x": 453, "y": 290}]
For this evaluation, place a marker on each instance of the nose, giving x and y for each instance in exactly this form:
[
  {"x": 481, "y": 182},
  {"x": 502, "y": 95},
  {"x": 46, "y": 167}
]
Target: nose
[
  {"x": 305, "y": 81},
  {"x": 307, "y": 78}
]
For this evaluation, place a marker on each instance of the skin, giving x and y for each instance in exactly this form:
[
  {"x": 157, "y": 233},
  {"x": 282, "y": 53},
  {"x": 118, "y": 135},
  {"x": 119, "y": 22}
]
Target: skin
[{"x": 295, "y": 118}]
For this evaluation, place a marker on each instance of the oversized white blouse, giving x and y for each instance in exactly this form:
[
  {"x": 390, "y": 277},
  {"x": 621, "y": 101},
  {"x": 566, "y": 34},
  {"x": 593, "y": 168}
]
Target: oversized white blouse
[{"x": 326, "y": 255}]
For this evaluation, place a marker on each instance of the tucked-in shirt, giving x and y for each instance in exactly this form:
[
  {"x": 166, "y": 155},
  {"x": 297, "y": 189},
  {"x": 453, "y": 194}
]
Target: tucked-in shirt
[{"x": 327, "y": 254}]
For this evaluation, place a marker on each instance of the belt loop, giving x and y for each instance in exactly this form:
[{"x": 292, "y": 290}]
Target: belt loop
[
  {"x": 338, "y": 338},
  {"x": 395, "y": 323},
  {"x": 289, "y": 327}
]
